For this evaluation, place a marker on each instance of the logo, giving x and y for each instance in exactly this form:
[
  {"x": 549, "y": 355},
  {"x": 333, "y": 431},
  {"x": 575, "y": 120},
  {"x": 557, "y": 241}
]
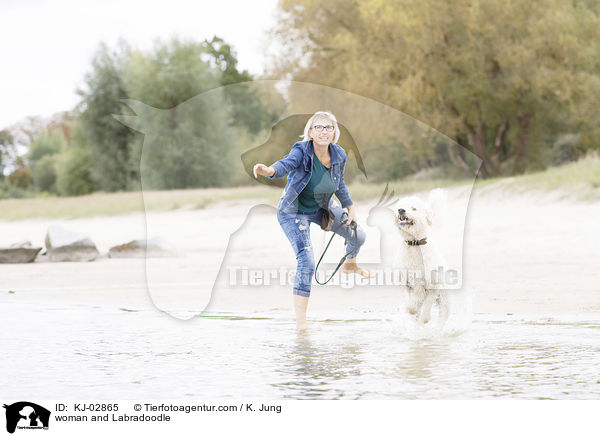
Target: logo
[{"x": 26, "y": 415}]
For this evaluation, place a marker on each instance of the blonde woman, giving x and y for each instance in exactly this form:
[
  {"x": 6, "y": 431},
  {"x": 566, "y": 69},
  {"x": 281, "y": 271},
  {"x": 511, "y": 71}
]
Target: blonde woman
[{"x": 315, "y": 169}]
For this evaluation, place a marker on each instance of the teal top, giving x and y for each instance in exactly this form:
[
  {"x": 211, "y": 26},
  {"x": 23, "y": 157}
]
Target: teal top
[{"x": 320, "y": 187}]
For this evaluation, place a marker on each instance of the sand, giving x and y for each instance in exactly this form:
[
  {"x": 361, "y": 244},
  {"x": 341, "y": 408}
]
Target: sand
[{"x": 522, "y": 253}]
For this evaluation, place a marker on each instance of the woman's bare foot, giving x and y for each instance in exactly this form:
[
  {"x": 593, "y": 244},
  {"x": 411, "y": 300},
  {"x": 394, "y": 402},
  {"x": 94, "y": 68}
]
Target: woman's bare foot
[
  {"x": 301, "y": 326},
  {"x": 350, "y": 267},
  {"x": 300, "y": 306}
]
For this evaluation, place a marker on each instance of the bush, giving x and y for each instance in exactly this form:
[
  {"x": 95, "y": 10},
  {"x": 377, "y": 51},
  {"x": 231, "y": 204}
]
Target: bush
[
  {"x": 21, "y": 178},
  {"x": 567, "y": 148},
  {"x": 42, "y": 157},
  {"x": 47, "y": 143},
  {"x": 44, "y": 174},
  {"x": 73, "y": 173},
  {"x": 9, "y": 191}
]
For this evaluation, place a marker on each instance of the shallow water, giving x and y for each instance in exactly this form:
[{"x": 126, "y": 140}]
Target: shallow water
[{"x": 102, "y": 352}]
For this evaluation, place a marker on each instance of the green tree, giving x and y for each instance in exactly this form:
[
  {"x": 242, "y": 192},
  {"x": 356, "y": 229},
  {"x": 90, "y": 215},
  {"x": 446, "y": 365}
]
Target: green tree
[
  {"x": 109, "y": 140},
  {"x": 189, "y": 135},
  {"x": 42, "y": 158},
  {"x": 498, "y": 77},
  {"x": 6, "y": 143},
  {"x": 74, "y": 164},
  {"x": 21, "y": 177},
  {"x": 248, "y": 109}
]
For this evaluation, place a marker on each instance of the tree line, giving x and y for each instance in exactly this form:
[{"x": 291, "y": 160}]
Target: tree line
[
  {"x": 516, "y": 82},
  {"x": 89, "y": 149}
]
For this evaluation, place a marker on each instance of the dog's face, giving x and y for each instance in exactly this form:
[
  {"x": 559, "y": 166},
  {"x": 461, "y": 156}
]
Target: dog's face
[{"x": 414, "y": 217}]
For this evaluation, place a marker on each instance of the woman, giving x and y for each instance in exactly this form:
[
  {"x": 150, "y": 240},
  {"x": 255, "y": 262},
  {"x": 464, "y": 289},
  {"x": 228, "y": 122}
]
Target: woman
[{"x": 316, "y": 172}]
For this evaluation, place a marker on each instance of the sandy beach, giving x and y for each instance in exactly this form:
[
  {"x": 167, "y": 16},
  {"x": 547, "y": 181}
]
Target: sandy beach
[{"x": 525, "y": 253}]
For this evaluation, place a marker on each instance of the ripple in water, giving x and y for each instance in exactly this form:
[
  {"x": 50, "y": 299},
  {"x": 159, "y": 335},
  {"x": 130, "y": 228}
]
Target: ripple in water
[{"x": 108, "y": 353}]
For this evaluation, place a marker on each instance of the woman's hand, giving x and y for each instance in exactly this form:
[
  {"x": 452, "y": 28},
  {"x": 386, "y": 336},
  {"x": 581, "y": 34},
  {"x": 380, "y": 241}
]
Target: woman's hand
[
  {"x": 351, "y": 215},
  {"x": 263, "y": 170}
]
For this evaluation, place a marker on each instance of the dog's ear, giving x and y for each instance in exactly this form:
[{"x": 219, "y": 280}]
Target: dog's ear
[{"x": 429, "y": 216}]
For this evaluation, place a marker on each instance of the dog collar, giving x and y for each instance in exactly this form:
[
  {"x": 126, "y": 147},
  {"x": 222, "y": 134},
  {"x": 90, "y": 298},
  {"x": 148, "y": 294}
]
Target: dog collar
[{"x": 416, "y": 242}]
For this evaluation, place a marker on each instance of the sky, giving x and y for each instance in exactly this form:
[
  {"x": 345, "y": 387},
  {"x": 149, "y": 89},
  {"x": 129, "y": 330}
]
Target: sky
[{"x": 46, "y": 47}]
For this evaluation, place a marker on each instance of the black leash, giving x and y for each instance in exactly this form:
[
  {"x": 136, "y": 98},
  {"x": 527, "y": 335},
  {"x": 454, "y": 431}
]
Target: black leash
[{"x": 351, "y": 228}]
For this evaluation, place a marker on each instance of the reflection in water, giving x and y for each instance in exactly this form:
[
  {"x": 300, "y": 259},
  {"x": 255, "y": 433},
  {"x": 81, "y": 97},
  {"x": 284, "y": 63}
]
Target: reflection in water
[
  {"x": 313, "y": 368},
  {"x": 422, "y": 359}
]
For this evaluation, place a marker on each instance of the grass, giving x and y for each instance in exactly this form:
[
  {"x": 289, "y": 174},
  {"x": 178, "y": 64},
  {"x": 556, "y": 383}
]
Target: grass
[
  {"x": 407, "y": 186},
  {"x": 577, "y": 180},
  {"x": 118, "y": 203}
]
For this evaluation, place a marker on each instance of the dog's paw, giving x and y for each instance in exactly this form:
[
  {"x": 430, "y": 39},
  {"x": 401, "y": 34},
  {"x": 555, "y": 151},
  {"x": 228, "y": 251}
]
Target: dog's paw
[{"x": 425, "y": 317}]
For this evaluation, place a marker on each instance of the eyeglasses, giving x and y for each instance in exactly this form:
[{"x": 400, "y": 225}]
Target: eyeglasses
[{"x": 319, "y": 128}]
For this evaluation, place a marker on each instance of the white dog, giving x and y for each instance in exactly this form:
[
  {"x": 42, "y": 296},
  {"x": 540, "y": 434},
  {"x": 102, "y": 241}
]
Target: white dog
[{"x": 420, "y": 254}]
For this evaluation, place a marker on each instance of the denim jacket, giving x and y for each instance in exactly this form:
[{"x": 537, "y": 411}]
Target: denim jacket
[{"x": 298, "y": 163}]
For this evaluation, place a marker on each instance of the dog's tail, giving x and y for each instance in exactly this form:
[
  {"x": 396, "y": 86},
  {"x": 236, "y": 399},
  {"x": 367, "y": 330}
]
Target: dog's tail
[{"x": 438, "y": 203}]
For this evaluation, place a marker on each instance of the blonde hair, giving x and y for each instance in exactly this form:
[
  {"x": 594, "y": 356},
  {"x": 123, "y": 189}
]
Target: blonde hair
[{"x": 322, "y": 115}]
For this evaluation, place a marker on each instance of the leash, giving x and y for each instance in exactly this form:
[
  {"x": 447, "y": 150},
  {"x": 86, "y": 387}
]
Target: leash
[{"x": 349, "y": 229}]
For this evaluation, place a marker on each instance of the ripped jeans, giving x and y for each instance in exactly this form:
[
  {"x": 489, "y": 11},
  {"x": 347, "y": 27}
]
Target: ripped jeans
[{"x": 296, "y": 226}]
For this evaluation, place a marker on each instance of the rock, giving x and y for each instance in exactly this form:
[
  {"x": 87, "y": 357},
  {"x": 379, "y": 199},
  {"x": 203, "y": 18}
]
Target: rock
[
  {"x": 65, "y": 246},
  {"x": 18, "y": 254},
  {"x": 21, "y": 244},
  {"x": 155, "y": 247}
]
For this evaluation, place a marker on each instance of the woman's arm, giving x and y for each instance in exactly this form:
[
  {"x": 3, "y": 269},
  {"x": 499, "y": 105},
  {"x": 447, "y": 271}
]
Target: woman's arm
[
  {"x": 283, "y": 165},
  {"x": 342, "y": 192},
  {"x": 351, "y": 215},
  {"x": 343, "y": 195}
]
